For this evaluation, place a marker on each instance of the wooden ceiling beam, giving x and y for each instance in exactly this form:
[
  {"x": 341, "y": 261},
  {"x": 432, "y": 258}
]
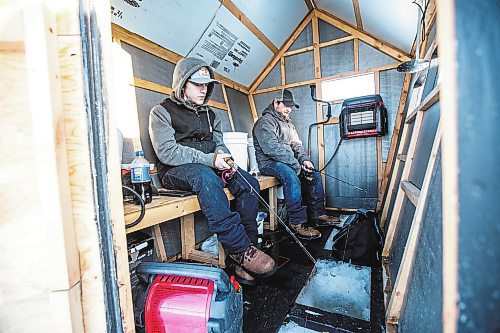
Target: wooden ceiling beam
[
  {"x": 370, "y": 40},
  {"x": 357, "y": 13},
  {"x": 249, "y": 24},
  {"x": 282, "y": 50},
  {"x": 311, "y": 4}
]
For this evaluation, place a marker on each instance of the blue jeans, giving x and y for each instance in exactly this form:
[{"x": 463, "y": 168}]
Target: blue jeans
[
  {"x": 235, "y": 230},
  {"x": 297, "y": 192}
]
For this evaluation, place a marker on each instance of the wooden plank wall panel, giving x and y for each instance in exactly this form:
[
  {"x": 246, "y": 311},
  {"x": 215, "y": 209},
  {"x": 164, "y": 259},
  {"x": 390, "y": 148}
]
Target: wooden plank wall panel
[
  {"x": 242, "y": 118},
  {"x": 201, "y": 227},
  {"x": 337, "y": 59},
  {"x": 20, "y": 209},
  {"x": 262, "y": 101},
  {"x": 75, "y": 122},
  {"x": 218, "y": 94},
  {"x": 389, "y": 206},
  {"x": 273, "y": 79},
  {"x": 304, "y": 39},
  {"x": 149, "y": 67},
  {"x": 328, "y": 32},
  {"x": 299, "y": 67},
  {"x": 336, "y": 109},
  {"x": 399, "y": 242},
  {"x": 426, "y": 281},
  {"x": 432, "y": 77},
  {"x": 225, "y": 121},
  {"x": 47, "y": 294},
  {"x": 171, "y": 235},
  {"x": 305, "y": 116},
  {"x": 146, "y": 99},
  {"x": 370, "y": 57},
  {"x": 355, "y": 163},
  {"x": 423, "y": 149},
  {"x": 391, "y": 86}
]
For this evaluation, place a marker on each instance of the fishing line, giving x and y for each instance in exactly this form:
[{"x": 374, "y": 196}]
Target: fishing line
[
  {"x": 340, "y": 180},
  {"x": 266, "y": 205}
]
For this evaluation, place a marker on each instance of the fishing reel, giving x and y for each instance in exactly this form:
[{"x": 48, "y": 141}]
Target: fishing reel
[
  {"x": 308, "y": 176},
  {"x": 228, "y": 176}
]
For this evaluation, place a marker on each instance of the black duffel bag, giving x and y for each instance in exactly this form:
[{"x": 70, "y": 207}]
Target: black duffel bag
[{"x": 360, "y": 239}]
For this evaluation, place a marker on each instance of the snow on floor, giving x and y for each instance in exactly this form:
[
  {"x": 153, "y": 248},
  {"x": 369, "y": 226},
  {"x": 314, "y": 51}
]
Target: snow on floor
[
  {"x": 340, "y": 288},
  {"x": 329, "y": 242}
]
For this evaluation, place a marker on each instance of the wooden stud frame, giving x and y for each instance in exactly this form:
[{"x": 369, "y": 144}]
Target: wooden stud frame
[
  {"x": 401, "y": 193},
  {"x": 356, "y": 34},
  {"x": 402, "y": 281},
  {"x": 447, "y": 37},
  {"x": 431, "y": 99},
  {"x": 395, "y": 135},
  {"x": 357, "y": 13},
  {"x": 224, "y": 93},
  {"x": 396, "y": 293}
]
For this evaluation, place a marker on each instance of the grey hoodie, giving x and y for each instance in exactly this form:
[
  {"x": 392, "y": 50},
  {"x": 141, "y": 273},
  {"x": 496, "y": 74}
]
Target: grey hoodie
[
  {"x": 276, "y": 139},
  {"x": 162, "y": 133}
]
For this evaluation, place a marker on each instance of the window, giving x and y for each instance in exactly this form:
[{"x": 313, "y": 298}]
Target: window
[{"x": 347, "y": 87}]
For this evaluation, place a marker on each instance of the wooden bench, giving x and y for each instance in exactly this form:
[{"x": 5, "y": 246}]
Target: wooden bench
[{"x": 164, "y": 208}]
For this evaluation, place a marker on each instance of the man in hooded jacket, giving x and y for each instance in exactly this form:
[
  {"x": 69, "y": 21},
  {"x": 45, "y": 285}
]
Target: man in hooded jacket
[
  {"x": 187, "y": 139},
  {"x": 280, "y": 153}
]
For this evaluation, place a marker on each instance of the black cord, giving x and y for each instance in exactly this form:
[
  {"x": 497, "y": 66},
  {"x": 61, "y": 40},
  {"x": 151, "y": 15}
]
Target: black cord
[
  {"x": 331, "y": 158},
  {"x": 143, "y": 207},
  {"x": 422, "y": 21},
  {"x": 309, "y": 134}
]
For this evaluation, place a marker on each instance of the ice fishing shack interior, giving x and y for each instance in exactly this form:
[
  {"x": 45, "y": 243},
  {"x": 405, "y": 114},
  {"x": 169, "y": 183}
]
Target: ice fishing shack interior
[{"x": 78, "y": 79}]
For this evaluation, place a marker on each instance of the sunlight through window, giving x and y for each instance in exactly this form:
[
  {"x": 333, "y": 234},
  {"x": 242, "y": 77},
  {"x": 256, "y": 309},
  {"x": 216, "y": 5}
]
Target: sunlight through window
[{"x": 347, "y": 87}]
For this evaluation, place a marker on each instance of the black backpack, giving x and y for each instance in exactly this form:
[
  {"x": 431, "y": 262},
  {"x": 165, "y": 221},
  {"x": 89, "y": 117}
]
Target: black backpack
[{"x": 360, "y": 240}]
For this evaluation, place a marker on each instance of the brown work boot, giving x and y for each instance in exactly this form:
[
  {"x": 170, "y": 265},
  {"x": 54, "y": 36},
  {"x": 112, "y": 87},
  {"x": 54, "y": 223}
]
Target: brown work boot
[
  {"x": 306, "y": 233},
  {"x": 243, "y": 277},
  {"x": 255, "y": 262},
  {"x": 326, "y": 220}
]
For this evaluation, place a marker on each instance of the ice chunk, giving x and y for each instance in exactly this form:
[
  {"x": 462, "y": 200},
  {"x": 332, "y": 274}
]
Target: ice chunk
[{"x": 340, "y": 288}]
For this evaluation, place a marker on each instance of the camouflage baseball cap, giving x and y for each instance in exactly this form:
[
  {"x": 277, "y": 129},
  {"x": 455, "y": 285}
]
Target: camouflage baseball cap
[{"x": 202, "y": 76}]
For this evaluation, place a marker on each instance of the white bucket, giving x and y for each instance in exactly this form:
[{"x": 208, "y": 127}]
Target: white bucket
[
  {"x": 252, "y": 160},
  {"x": 236, "y": 142}
]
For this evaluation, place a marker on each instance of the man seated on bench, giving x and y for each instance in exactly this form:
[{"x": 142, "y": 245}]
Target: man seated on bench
[
  {"x": 280, "y": 153},
  {"x": 187, "y": 138}
]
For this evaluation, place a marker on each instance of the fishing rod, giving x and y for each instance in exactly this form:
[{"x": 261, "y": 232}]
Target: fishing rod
[
  {"x": 233, "y": 166},
  {"x": 340, "y": 180}
]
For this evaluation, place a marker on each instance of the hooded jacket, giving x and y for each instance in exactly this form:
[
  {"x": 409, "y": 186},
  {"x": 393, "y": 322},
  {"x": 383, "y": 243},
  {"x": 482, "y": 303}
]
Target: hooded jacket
[
  {"x": 275, "y": 139},
  {"x": 182, "y": 132}
]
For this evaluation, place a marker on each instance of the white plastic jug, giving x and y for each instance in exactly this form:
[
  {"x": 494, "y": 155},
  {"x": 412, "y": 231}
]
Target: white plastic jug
[
  {"x": 237, "y": 142},
  {"x": 252, "y": 160}
]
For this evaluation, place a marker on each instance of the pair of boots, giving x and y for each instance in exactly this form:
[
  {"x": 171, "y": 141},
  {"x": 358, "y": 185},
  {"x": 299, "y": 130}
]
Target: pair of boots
[
  {"x": 308, "y": 233},
  {"x": 251, "y": 264},
  {"x": 254, "y": 263}
]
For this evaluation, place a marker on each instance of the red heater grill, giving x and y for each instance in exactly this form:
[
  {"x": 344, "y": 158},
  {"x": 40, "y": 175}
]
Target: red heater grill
[
  {"x": 363, "y": 117},
  {"x": 178, "y": 304}
]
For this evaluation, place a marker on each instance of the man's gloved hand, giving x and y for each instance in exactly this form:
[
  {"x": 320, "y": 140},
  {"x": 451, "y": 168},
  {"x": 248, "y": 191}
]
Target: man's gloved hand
[
  {"x": 307, "y": 166},
  {"x": 307, "y": 172},
  {"x": 219, "y": 160}
]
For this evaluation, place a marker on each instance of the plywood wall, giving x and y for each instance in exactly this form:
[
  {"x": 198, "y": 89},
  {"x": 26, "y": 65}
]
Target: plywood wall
[
  {"x": 40, "y": 257},
  {"x": 50, "y": 250}
]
